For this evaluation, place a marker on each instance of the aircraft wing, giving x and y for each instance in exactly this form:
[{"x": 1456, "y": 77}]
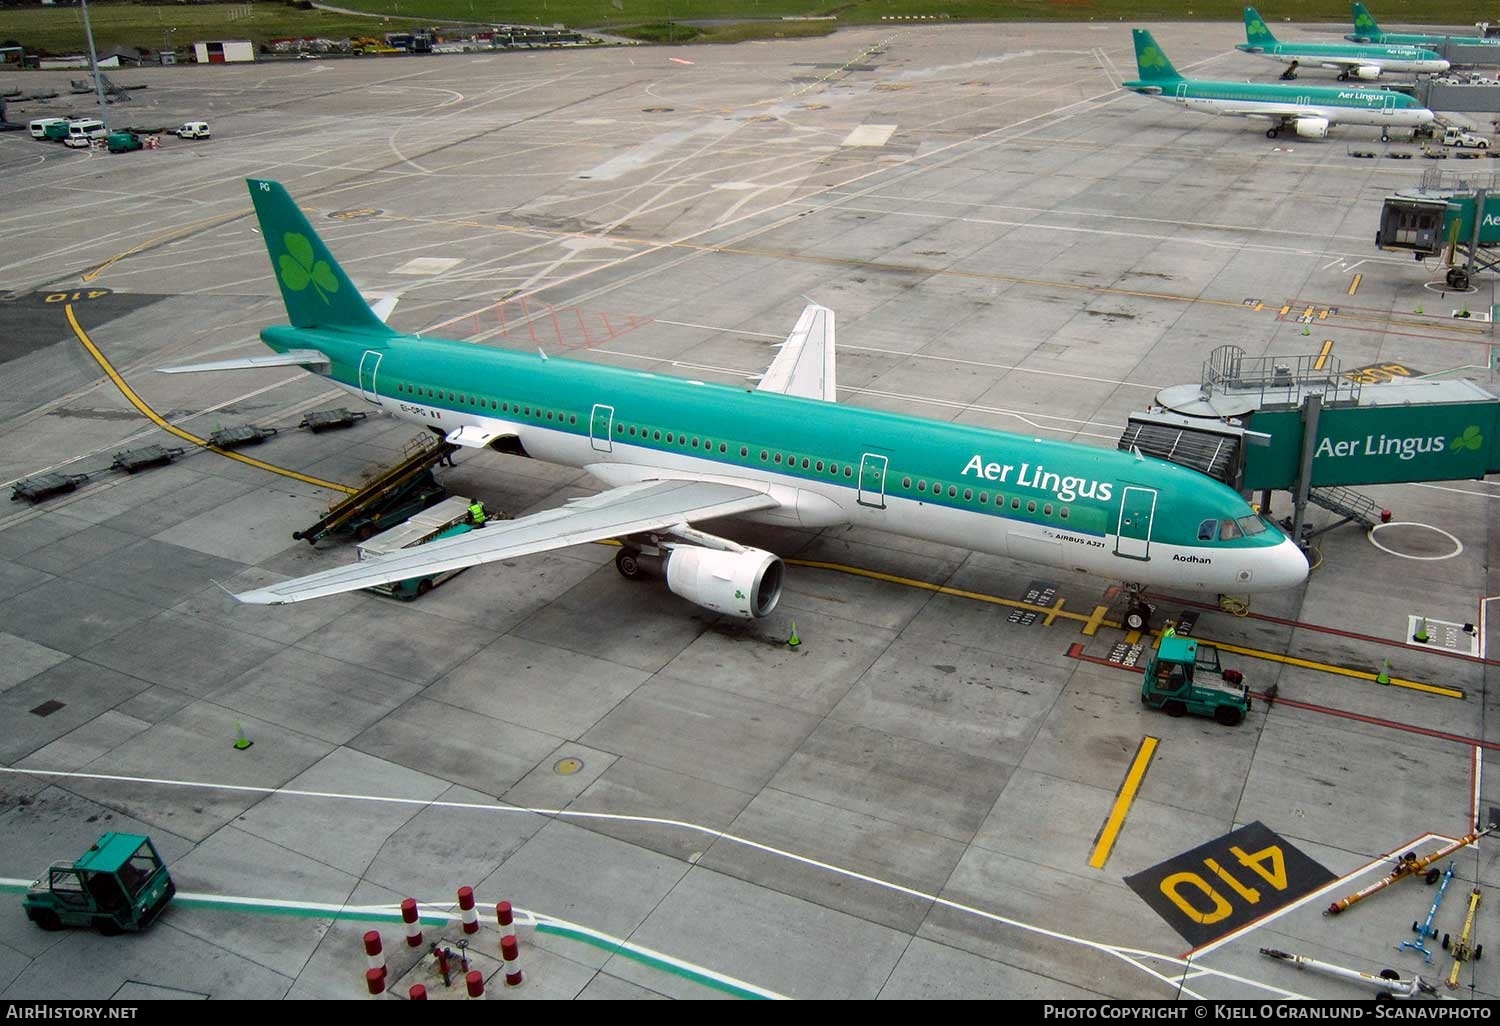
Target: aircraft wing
[
  {"x": 805, "y": 364},
  {"x": 312, "y": 359},
  {"x": 630, "y": 509},
  {"x": 1345, "y": 63},
  {"x": 1280, "y": 113}
]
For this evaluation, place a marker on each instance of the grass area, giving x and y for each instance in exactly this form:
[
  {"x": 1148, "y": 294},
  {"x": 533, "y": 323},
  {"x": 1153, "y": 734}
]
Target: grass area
[
  {"x": 59, "y": 30},
  {"x": 153, "y": 26},
  {"x": 601, "y": 13}
]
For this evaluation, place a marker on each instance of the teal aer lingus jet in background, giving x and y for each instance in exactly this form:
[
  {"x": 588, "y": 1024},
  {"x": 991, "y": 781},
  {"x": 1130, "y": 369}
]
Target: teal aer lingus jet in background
[
  {"x": 672, "y": 453},
  {"x": 1305, "y": 110},
  {"x": 1366, "y": 31},
  {"x": 1362, "y": 62}
]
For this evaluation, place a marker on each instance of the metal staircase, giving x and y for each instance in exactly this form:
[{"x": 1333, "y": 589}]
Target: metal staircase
[{"x": 1346, "y": 503}]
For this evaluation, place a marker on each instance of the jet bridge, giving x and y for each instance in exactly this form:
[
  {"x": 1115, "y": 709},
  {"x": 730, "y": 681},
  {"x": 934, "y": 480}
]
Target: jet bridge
[
  {"x": 1454, "y": 217},
  {"x": 1272, "y": 423}
]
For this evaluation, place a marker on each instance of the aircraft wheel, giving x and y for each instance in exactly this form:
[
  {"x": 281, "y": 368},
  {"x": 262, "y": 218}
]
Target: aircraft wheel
[
  {"x": 1458, "y": 278},
  {"x": 46, "y": 919},
  {"x": 1137, "y": 618},
  {"x": 1431, "y": 878},
  {"x": 1229, "y": 715},
  {"x": 628, "y": 562},
  {"x": 1389, "y": 974},
  {"x": 424, "y": 586},
  {"x": 1478, "y": 951},
  {"x": 1175, "y": 708},
  {"x": 1272, "y": 133},
  {"x": 1343, "y": 76},
  {"x": 1445, "y": 942},
  {"x": 107, "y": 926},
  {"x": 1385, "y": 136}
]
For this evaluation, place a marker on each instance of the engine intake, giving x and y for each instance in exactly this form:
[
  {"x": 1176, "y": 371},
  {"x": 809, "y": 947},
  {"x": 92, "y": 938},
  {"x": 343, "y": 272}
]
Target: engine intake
[
  {"x": 745, "y": 583},
  {"x": 1368, "y": 72},
  {"x": 1312, "y": 128}
]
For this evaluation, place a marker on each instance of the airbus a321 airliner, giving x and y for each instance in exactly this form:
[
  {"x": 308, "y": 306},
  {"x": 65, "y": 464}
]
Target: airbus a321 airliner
[{"x": 673, "y": 453}]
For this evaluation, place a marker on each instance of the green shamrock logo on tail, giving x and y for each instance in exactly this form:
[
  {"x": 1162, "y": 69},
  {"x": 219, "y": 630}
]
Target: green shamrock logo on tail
[
  {"x": 1151, "y": 57},
  {"x": 1364, "y": 21},
  {"x": 1471, "y": 439},
  {"x": 299, "y": 270}
]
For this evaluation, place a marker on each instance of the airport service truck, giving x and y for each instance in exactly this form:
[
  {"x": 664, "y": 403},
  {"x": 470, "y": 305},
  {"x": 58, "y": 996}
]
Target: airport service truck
[
  {"x": 443, "y": 520},
  {"x": 119, "y": 884},
  {"x": 1184, "y": 676}
]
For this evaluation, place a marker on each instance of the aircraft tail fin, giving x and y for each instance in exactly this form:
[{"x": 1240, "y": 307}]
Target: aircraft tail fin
[
  {"x": 317, "y": 292},
  {"x": 1364, "y": 23},
  {"x": 1256, "y": 33},
  {"x": 1150, "y": 62}
]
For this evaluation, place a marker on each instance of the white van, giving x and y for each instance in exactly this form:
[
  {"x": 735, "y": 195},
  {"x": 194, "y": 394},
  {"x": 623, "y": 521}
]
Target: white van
[
  {"x": 193, "y": 130},
  {"x": 39, "y": 126},
  {"x": 84, "y": 131}
]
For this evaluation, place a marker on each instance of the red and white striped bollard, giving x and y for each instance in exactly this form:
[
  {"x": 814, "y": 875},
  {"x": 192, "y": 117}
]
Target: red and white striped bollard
[
  {"x": 374, "y": 957},
  {"x": 412, "y": 921},
  {"x": 467, "y": 911}
]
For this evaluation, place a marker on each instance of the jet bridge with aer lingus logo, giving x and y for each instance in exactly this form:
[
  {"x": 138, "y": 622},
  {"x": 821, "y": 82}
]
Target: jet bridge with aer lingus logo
[{"x": 1302, "y": 425}]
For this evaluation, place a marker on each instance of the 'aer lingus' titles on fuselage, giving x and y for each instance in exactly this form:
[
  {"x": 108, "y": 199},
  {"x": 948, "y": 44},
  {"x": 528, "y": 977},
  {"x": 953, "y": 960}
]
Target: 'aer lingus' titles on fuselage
[
  {"x": 1306, "y": 110},
  {"x": 807, "y": 462}
]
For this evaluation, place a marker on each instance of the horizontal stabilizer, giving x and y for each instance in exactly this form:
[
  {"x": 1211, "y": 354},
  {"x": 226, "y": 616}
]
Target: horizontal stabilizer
[
  {"x": 312, "y": 359},
  {"x": 381, "y": 306},
  {"x": 805, "y": 365},
  {"x": 475, "y": 436}
]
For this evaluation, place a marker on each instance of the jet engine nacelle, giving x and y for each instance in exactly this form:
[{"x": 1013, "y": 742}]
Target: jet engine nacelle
[
  {"x": 1312, "y": 128},
  {"x": 745, "y": 583},
  {"x": 1368, "y": 72}
]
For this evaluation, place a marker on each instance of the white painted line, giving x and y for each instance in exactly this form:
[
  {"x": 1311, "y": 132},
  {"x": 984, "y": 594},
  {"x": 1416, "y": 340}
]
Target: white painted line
[
  {"x": 1458, "y": 546},
  {"x": 428, "y": 265},
  {"x": 869, "y": 135},
  {"x": 1129, "y": 955}
]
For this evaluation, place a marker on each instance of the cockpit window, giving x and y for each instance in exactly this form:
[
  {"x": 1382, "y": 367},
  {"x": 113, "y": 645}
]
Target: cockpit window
[
  {"x": 1228, "y": 530},
  {"x": 1208, "y": 530},
  {"x": 1251, "y": 525}
]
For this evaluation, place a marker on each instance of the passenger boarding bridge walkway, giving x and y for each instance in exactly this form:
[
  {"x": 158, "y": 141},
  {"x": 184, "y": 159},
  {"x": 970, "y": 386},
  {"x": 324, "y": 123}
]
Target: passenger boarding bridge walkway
[{"x": 1300, "y": 424}]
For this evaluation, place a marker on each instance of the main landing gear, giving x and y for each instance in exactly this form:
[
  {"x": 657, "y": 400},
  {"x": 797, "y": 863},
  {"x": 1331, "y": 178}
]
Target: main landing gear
[
  {"x": 1273, "y": 131},
  {"x": 628, "y": 562},
  {"x": 1291, "y": 72}
]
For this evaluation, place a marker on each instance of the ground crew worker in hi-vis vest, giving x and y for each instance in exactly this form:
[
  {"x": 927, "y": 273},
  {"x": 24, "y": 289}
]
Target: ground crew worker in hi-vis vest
[{"x": 476, "y": 513}]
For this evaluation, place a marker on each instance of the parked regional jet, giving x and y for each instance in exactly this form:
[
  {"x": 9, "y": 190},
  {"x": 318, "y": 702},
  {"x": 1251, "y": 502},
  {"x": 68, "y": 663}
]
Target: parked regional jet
[
  {"x": 673, "y": 453},
  {"x": 1306, "y": 110},
  {"x": 1364, "y": 62},
  {"x": 1366, "y": 31}
]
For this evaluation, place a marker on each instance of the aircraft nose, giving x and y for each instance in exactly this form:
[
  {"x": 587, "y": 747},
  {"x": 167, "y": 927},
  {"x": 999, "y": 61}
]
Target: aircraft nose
[{"x": 1286, "y": 567}]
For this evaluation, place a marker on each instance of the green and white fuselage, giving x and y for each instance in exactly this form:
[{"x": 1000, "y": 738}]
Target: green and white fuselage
[
  {"x": 1308, "y": 110},
  {"x": 673, "y": 452},
  {"x": 1365, "y": 61},
  {"x": 1367, "y": 31},
  {"x": 1074, "y": 507}
]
